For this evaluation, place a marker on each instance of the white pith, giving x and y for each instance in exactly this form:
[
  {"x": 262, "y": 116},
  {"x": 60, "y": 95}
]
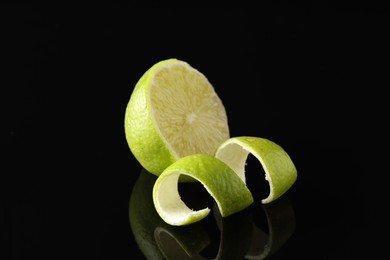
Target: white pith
[
  {"x": 169, "y": 204},
  {"x": 235, "y": 153}
]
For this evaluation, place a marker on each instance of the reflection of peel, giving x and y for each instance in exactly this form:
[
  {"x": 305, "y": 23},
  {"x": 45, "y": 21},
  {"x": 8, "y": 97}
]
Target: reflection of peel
[
  {"x": 281, "y": 225},
  {"x": 240, "y": 238},
  {"x": 182, "y": 242},
  {"x": 143, "y": 216},
  {"x": 235, "y": 234},
  {"x": 154, "y": 237}
]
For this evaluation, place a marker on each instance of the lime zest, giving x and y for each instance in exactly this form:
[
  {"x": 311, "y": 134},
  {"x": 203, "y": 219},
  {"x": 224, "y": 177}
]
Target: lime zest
[
  {"x": 280, "y": 171},
  {"x": 227, "y": 189}
]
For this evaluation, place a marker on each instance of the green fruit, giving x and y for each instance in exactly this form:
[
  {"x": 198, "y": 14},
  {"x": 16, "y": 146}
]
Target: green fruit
[{"x": 173, "y": 112}]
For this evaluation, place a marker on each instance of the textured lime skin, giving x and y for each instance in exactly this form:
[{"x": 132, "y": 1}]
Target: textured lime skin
[
  {"x": 223, "y": 184},
  {"x": 144, "y": 141},
  {"x": 280, "y": 171}
]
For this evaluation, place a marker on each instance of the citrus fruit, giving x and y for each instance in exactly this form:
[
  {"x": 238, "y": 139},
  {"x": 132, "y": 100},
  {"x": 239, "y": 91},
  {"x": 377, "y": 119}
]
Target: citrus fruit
[
  {"x": 280, "y": 171},
  {"x": 173, "y": 112},
  {"x": 221, "y": 182}
]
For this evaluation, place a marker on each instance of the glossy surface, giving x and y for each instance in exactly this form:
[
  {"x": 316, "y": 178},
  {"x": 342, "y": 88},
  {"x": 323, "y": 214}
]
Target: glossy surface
[{"x": 289, "y": 73}]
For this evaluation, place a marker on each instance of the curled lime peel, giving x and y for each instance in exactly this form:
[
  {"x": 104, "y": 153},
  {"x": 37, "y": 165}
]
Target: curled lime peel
[
  {"x": 280, "y": 171},
  {"x": 227, "y": 189}
]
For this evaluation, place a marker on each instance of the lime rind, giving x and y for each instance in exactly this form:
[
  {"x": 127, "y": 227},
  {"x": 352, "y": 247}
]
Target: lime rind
[
  {"x": 227, "y": 189},
  {"x": 154, "y": 155},
  {"x": 168, "y": 203},
  {"x": 280, "y": 171}
]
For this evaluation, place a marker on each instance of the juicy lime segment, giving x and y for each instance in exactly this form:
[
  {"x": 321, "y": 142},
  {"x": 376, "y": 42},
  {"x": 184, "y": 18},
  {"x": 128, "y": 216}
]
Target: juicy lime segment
[
  {"x": 228, "y": 190},
  {"x": 173, "y": 112},
  {"x": 185, "y": 109},
  {"x": 280, "y": 171}
]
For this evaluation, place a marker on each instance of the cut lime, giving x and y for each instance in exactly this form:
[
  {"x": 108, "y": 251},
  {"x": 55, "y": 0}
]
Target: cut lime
[
  {"x": 228, "y": 190},
  {"x": 280, "y": 171},
  {"x": 173, "y": 112}
]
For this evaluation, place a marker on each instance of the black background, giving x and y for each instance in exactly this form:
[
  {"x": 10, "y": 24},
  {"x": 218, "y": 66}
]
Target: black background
[{"x": 309, "y": 76}]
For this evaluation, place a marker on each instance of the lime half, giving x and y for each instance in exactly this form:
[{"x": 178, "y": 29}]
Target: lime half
[{"x": 173, "y": 112}]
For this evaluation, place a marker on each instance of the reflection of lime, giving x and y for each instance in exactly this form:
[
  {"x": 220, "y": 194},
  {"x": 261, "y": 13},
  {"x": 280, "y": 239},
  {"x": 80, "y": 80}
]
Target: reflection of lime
[
  {"x": 281, "y": 225},
  {"x": 235, "y": 235},
  {"x": 181, "y": 242},
  {"x": 173, "y": 111},
  {"x": 280, "y": 172},
  {"x": 227, "y": 189},
  {"x": 143, "y": 216}
]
